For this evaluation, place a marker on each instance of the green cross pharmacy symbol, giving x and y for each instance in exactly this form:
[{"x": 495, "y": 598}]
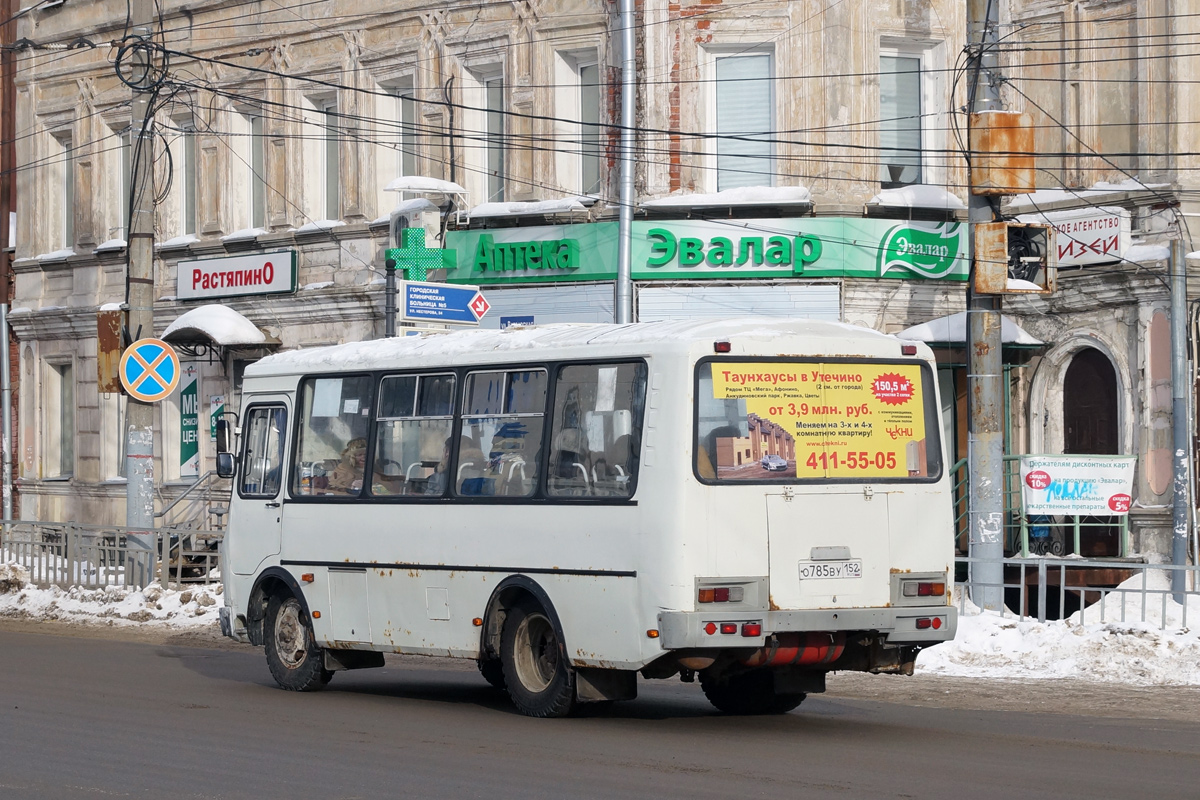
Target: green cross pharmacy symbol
[{"x": 414, "y": 257}]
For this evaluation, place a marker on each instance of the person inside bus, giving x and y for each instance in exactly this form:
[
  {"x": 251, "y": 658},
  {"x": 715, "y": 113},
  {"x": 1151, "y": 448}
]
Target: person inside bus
[
  {"x": 347, "y": 476},
  {"x": 436, "y": 482}
]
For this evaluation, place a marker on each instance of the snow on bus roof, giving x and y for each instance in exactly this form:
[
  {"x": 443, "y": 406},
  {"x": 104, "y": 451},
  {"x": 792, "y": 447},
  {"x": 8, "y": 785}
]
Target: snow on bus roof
[{"x": 433, "y": 346}]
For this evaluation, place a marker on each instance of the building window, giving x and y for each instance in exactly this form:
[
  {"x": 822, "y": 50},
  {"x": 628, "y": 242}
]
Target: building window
[
  {"x": 246, "y": 151},
  {"x": 62, "y": 161},
  {"x": 183, "y": 151},
  {"x": 321, "y": 142},
  {"x": 744, "y": 108},
  {"x": 258, "y": 166},
  {"x": 396, "y": 134},
  {"x": 59, "y": 419},
  {"x": 483, "y": 127},
  {"x": 112, "y": 435},
  {"x": 900, "y": 110},
  {"x": 577, "y": 107},
  {"x": 126, "y": 150},
  {"x": 494, "y": 89}
]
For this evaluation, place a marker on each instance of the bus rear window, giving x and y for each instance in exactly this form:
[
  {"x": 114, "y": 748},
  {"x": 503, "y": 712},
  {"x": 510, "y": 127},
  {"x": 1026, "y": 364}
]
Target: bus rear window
[{"x": 783, "y": 421}]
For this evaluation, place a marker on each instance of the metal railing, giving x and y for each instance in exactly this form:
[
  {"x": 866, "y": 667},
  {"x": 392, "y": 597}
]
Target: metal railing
[
  {"x": 90, "y": 556},
  {"x": 1098, "y": 591},
  {"x": 202, "y": 504}
]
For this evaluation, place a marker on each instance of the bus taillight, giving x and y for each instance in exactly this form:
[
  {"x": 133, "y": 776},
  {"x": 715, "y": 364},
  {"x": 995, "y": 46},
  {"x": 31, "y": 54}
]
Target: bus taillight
[
  {"x": 722, "y": 594},
  {"x": 924, "y": 589},
  {"x": 752, "y": 629}
]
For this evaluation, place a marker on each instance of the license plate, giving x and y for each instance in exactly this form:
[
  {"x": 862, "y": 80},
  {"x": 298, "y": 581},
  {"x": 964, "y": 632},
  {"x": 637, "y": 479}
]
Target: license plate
[{"x": 830, "y": 569}]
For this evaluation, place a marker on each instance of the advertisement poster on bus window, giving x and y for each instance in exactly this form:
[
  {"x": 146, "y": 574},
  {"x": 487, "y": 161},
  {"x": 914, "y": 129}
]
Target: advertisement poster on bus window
[
  {"x": 814, "y": 420},
  {"x": 1093, "y": 485}
]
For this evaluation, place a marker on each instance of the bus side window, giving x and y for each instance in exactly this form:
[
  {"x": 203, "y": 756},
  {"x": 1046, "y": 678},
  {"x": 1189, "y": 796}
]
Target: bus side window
[
  {"x": 596, "y": 430},
  {"x": 412, "y": 446},
  {"x": 263, "y": 457},
  {"x": 332, "y": 447},
  {"x": 503, "y": 420}
]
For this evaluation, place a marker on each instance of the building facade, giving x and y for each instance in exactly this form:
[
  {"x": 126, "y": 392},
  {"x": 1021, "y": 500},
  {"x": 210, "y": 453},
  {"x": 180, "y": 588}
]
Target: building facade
[{"x": 793, "y": 158}]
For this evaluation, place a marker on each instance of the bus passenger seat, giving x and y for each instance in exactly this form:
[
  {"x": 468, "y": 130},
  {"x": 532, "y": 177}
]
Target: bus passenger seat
[
  {"x": 612, "y": 470},
  {"x": 570, "y": 461}
]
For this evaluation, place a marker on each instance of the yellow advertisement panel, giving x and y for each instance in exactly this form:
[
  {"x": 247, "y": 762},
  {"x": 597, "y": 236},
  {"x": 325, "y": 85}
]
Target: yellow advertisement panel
[{"x": 815, "y": 420}]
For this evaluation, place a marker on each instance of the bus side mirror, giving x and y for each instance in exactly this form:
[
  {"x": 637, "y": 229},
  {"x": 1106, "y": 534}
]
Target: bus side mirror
[
  {"x": 222, "y": 436},
  {"x": 225, "y": 465}
]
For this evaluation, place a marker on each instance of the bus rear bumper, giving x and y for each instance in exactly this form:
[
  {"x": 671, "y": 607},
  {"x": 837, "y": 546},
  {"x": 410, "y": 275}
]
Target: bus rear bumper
[{"x": 687, "y": 629}]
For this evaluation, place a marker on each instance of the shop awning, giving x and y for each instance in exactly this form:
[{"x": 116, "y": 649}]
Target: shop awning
[
  {"x": 953, "y": 330},
  {"x": 214, "y": 324}
]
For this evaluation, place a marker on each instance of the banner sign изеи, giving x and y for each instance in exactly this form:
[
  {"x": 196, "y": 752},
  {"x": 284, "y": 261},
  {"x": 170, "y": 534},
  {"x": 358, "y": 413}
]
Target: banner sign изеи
[
  {"x": 1097, "y": 485},
  {"x": 701, "y": 249}
]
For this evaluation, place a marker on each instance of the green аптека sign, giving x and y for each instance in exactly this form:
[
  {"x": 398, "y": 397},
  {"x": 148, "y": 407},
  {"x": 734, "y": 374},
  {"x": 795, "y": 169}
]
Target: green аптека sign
[{"x": 702, "y": 249}]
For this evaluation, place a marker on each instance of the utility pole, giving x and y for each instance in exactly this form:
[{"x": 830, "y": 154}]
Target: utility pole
[
  {"x": 1180, "y": 386},
  {"x": 985, "y": 399},
  {"x": 139, "y": 416},
  {"x": 8, "y": 162},
  {"x": 623, "y": 289}
]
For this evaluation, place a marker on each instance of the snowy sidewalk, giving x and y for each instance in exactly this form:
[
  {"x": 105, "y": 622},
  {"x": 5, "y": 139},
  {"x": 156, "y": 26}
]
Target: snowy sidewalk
[{"x": 190, "y": 607}]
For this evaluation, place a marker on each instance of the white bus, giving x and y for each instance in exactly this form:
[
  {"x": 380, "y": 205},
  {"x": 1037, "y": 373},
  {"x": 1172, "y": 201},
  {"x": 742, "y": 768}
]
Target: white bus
[{"x": 753, "y": 502}]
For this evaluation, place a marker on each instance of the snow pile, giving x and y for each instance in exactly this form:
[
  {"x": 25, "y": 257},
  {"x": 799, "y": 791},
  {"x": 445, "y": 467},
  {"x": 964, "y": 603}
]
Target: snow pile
[
  {"x": 1158, "y": 651},
  {"x": 13, "y": 578},
  {"x": 113, "y": 605}
]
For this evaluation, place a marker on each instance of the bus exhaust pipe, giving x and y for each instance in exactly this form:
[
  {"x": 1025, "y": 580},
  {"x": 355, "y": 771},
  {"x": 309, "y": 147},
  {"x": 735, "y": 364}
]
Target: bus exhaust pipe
[{"x": 784, "y": 649}]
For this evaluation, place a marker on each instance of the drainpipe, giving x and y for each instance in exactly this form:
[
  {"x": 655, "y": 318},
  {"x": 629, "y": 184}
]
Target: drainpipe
[
  {"x": 623, "y": 290},
  {"x": 1179, "y": 419}
]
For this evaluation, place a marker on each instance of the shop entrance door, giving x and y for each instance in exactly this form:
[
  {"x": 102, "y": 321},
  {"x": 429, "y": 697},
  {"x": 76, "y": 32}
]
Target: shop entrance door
[{"x": 1090, "y": 428}]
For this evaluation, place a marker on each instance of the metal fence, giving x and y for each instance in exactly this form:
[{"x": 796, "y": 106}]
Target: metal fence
[
  {"x": 1098, "y": 591},
  {"x": 91, "y": 556}
]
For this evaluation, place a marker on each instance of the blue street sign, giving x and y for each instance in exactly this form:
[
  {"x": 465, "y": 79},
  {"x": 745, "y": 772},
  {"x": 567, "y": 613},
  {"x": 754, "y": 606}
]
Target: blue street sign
[
  {"x": 516, "y": 322},
  {"x": 149, "y": 370},
  {"x": 441, "y": 302}
]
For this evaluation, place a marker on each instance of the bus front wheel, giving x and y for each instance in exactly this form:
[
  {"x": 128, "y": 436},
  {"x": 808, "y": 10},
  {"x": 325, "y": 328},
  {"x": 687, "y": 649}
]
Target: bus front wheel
[
  {"x": 295, "y": 660},
  {"x": 536, "y": 674},
  {"x": 748, "y": 693}
]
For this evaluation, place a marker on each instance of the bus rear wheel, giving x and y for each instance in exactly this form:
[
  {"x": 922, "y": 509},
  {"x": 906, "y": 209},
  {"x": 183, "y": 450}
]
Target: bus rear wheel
[
  {"x": 748, "y": 693},
  {"x": 536, "y": 675},
  {"x": 492, "y": 671},
  {"x": 295, "y": 661}
]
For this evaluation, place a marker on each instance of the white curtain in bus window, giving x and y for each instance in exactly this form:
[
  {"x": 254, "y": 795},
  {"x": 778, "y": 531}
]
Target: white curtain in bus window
[
  {"x": 500, "y": 447},
  {"x": 775, "y": 420},
  {"x": 596, "y": 430},
  {"x": 413, "y": 443},
  {"x": 331, "y": 455},
  {"x": 263, "y": 460}
]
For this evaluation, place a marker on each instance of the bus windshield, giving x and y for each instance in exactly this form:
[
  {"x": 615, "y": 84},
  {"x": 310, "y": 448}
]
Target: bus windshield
[{"x": 774, "y": 420}]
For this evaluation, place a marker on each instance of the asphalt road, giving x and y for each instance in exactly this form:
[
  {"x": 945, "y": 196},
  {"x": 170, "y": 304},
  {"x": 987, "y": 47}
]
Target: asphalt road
[{"x": 89, "y": 718}]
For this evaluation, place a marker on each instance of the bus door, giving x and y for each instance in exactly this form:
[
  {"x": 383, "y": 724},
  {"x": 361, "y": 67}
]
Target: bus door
[
  {"x": 829, "y": 547},
  {"x": 255, "y": 527}
]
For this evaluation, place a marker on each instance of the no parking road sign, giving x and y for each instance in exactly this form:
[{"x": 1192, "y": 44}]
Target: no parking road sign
[{"x": 149, "y": 370}]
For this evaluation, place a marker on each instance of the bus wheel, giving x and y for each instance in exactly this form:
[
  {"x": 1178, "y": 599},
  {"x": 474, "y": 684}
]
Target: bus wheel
[
  {"x": 492, "y": 671},
  {"x": 748, "y": 693},
  {"x": 537, "y": 677},
  {"x": 296, "y": 662}
]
